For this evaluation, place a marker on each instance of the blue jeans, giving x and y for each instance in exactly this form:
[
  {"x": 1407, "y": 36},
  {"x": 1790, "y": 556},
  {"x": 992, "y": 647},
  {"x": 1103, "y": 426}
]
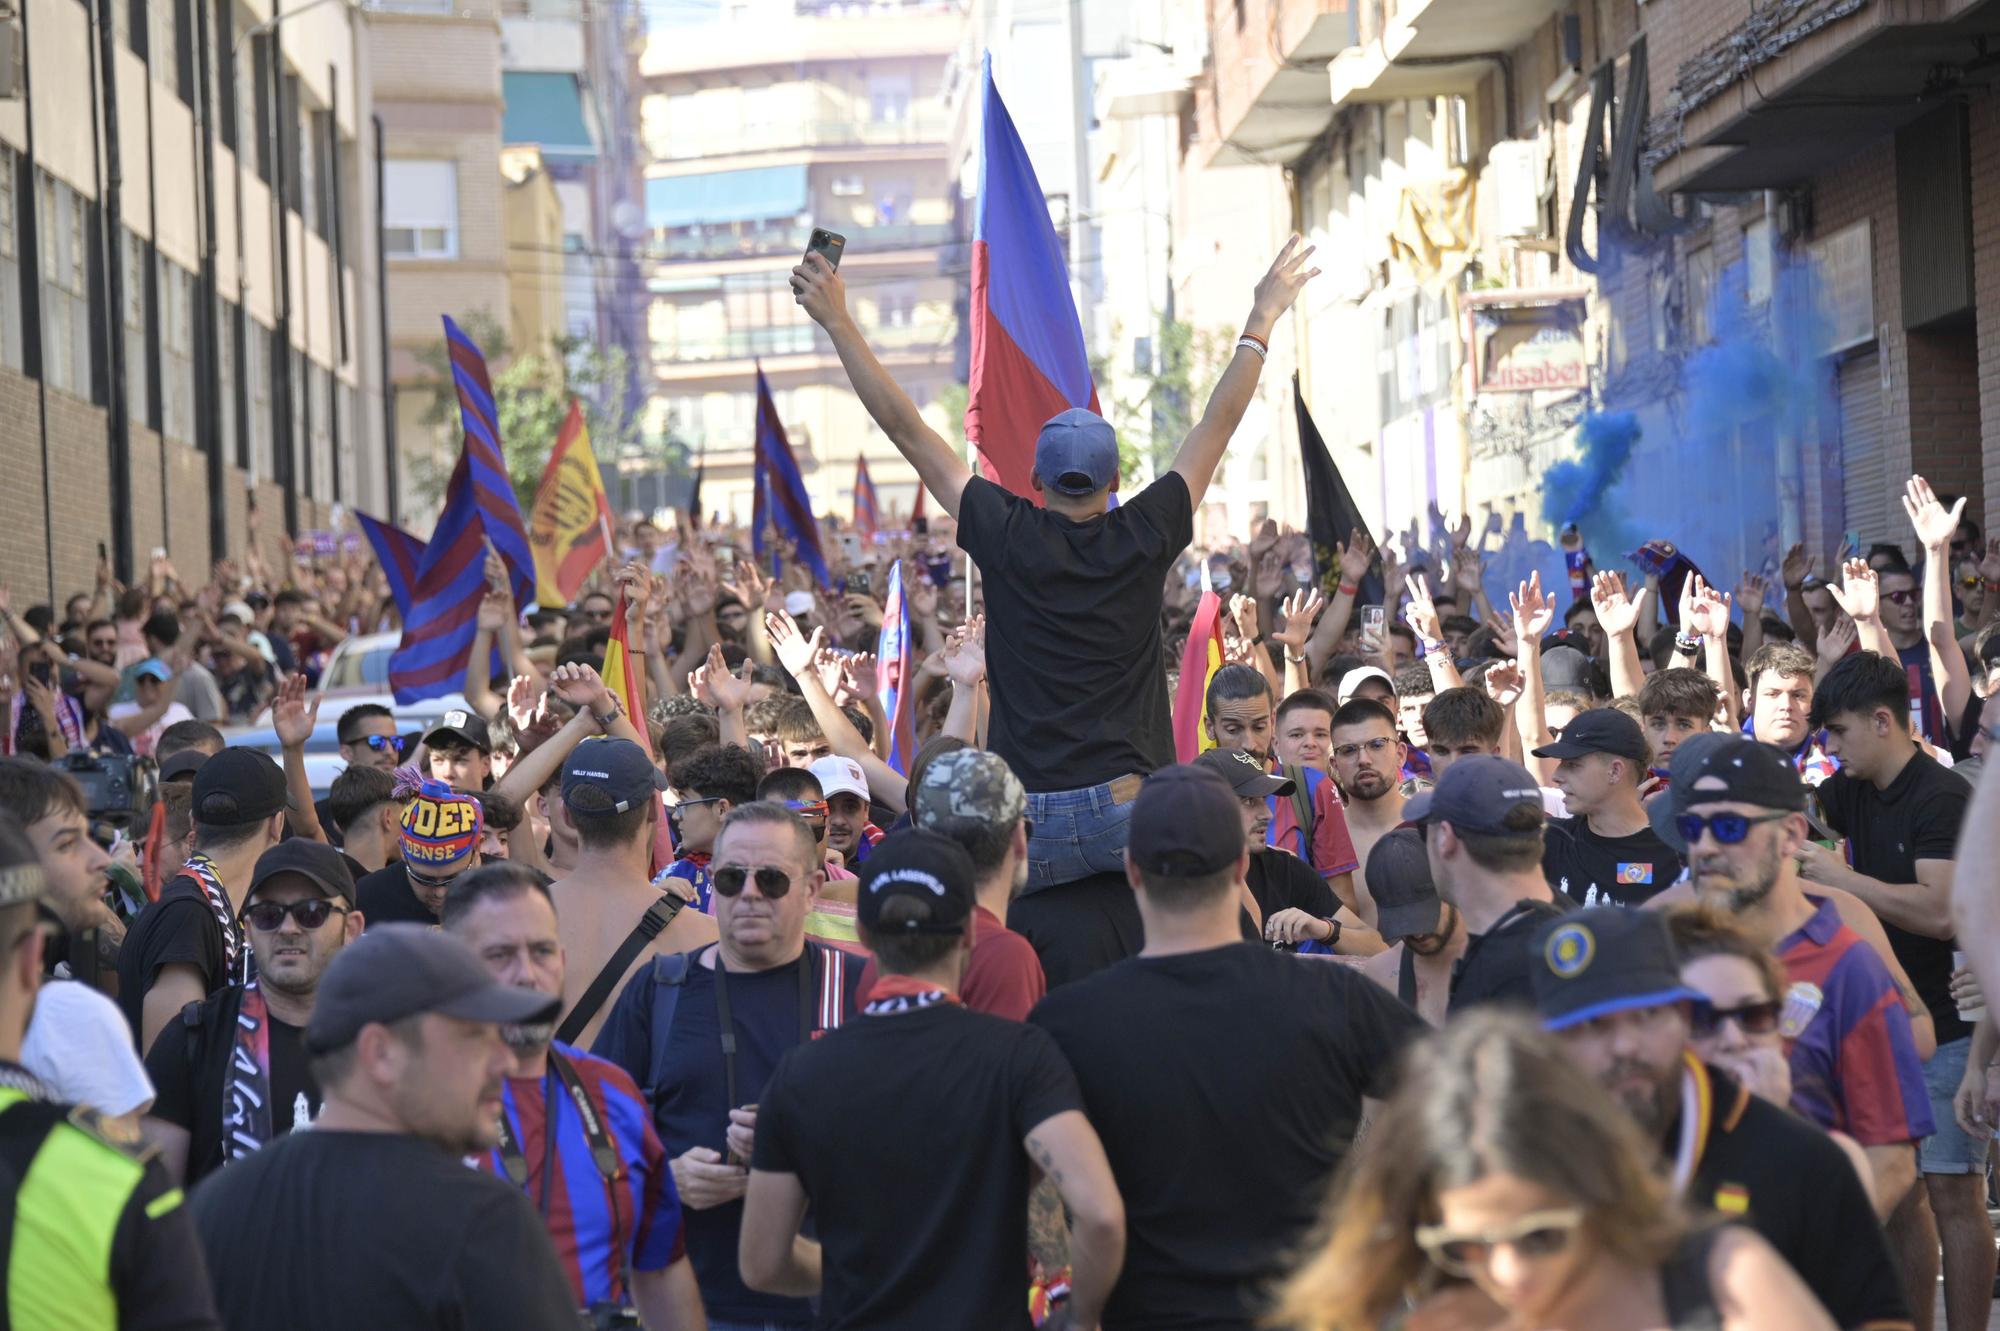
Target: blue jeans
[
  {"x": 1078, "y": 833},
  {"x": 1949, "y": 1150}
]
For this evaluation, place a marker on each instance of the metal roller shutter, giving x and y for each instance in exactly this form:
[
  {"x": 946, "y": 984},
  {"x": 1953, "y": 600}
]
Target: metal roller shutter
[{"x": 1869, "y": 510}]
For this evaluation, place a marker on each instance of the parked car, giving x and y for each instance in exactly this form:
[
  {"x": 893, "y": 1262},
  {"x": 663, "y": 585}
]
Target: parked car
[{"x": 323, "y": 760}]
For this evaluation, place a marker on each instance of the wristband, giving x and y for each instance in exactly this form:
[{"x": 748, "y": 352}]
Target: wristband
[
  {"x": 604, "y": 723},
  {"x": 1300, "y": 659},
  {"x": 1332, "y": 939},
  {"x": 1350, "y": 589},
  {"x": 1687, "y": 644},
  {"x": 1428, "y": 647},
  {"x": 1255, "y": 343},
  {"x": 1248, "y": 344},
  {"x": 1257, "y": 641}
]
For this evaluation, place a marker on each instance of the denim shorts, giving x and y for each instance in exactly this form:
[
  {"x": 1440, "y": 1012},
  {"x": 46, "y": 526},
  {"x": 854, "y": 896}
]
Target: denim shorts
[
  {"x": 1078, "y": 833},
  {"x": 1949, "y": 1150}
]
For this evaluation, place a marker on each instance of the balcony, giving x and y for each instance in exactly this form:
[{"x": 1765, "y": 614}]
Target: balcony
[
  {"x": 1270, "y": 59},
  {"x": 799, "y": 340},
  {"x": 766, "y": 36},
  {"x": 726, "y": 141},
  {"x": 754, "y": 240},
  {"x": 1430, "y": 48}
]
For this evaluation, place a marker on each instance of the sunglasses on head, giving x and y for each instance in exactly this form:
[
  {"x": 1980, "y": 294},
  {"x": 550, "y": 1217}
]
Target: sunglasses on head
[
  {"x": 1729, "y": 828},
  {"x": 1752, "y": 1018},
  {"x": 772, "y": 883},
  {"x": 269, "y": 916},
  {"x": 1463, "y": 1252}
]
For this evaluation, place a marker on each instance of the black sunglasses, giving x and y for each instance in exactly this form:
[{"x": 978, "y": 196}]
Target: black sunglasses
[
  {"x": 772, "y": 883},
  {"x": 1754, "y": 1018},
  {"x": 381, "y": 743},
  {"x": 1729, "y": 828},
  {"x": 269, "y": 916}
]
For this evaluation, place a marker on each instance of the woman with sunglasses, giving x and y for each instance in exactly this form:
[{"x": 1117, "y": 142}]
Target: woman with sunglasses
[{"x": 1501, "y": 1188}]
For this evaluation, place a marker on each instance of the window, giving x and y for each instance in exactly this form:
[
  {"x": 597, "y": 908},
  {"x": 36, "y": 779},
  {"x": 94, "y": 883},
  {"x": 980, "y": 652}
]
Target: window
[
  {"x": 176, "y": 352},
  {"x": 183, "y": 48},
  {"x": 288, "y": 121},
  {"x": 133, "y": 268},
  {"x": 311, "y": 162},
  {"x": 319, "y": 431},
  {"x": 1700, "y": 293},
  {"x": 889, "y": 97},
  {"x": 162, "y": 42},
  {"x": 226, "y": 332},
  {"x": 222, "y": 61},
  {"x": 292, "y": 433},
  {"x": 257, "y": 374},
  {"x": 13, "y": 351},
  {"x": 321, "y": 193},
  {"x": 258, "y": 95},
  {"x": 66, "y": 327},
  {"x": 133, "y": 27},
  {"x": 420, "y": 209}
]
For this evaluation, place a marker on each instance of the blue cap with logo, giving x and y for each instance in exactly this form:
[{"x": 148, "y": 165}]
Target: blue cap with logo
[
  {"x": 1593, "y": 963},
  {"x": 606, "y": 774},
  {"x": 1077, "y": 453}
]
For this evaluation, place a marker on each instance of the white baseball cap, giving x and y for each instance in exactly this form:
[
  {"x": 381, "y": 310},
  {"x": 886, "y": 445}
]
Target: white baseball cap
[
  {"x": 1355, "y": 678},
  {"x": 840, "y": 776}
]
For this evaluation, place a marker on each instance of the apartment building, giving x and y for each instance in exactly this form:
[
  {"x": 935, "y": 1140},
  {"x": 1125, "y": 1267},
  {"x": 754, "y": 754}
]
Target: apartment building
[
  {"x": 187, "y": 271},
  {"x": 770, "y": 118}
]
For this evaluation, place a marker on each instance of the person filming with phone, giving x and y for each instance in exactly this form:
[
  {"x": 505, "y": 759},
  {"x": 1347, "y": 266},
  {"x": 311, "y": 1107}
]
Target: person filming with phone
[{"x": 1081, "y": 716}]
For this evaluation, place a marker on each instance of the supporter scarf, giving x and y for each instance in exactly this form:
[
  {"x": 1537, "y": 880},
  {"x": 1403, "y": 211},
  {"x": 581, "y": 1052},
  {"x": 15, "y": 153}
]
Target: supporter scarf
[
  {"x": 202, "y": 870},
  {"x": 246, "y": 1100},
  {"x": 69, "y": 719},
  {"x": 1697, "y": 1111},
  {"x": 905, "y": 993}
]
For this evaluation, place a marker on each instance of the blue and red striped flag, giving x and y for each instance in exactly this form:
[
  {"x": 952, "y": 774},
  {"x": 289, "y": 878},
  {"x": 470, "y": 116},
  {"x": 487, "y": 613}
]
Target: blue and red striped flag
[
  {"x": 780, "y": 499},
  {"x": 895, "y": 668},
  {"x": 399, "y": 553},
  {"x": 867, "y": 513},
  {"x": 1028, "y": 358},
  {"x": 479, "y": 506}
]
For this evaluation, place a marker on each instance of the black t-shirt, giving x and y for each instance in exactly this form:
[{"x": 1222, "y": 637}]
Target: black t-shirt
[
  {"x": 385, "y": 897},
  {"x": 1770, "y": 1168},
  {"x": 1075, "y": 658},
  {"x": 1226, "y": 1085},
  {"x": 179, "y": 929},
  {"x": 328, "y": 1231},
  {"x": 1079, "y": 928},
  {"x": 920, "y": 1116},
  {"x": 1280, "y": 880},
  {"x": 190, "y": 1066},
  {"x": 1496, "y": 965},
  {"x": 1888, "y": 831},
  {"x": 1593, "y": 870}
]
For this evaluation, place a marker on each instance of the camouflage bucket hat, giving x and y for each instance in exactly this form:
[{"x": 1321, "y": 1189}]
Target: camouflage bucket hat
[{"x": 968, "y": 785}]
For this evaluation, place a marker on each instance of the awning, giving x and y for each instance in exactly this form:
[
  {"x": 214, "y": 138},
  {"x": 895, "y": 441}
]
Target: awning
[
  {"x": 546, "y": 109},
  {"x": 761, "y": 194}
]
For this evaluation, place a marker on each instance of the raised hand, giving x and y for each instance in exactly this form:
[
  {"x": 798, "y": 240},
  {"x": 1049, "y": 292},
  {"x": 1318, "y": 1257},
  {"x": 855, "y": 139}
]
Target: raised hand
[
  {"x": 1267, "y": 576},
  {"x": 293, "y": 717},
  {"x": 1617, "y": 613},
  {"x": 1989, "y": 567},
  {"x": 1243, "y": 609},
  {"x": 923, "y": 593},
  {"x": 729, "y": 693},
  {"x": 1276, "y": 290},
  {"x": 795, "y": 650},
  {"x": 1751, "y": 594},
  {"x": 1422, "y": 613},
  {"x": 1935, "y": 524},
  {"x": 1796, "y": 568},
  {"x": 523, "y": 695},
  {"x": 1356, "y": 556},
  {"x": 1467, "y": 565},
  {"x": 1837, "y": 640},
  {"x": 819, "y": 290},
  {"x": 1503, "y": 682},
  {"x": 1534, "y": 610},
  {"x": 496, "y": 568},
  {"x": 1301, "y": 611},
  {"x": 826, "y": 664},
  {"x": 862, "y": 676},
  {"x": 1859, "y": 592},
  {"x": 495, "y": 609},
  {"x": 1704, "y": 610},
  {"x": 964, "y": 658},
  {"x": 582, "y": 687}
]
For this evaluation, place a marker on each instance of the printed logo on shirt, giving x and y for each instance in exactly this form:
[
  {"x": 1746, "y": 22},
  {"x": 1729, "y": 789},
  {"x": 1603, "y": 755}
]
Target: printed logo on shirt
[
  {"x": 1802, "y": 1004},
  {"x": 1635, "y": 873},
  {"x": 1732, "y": 1199}
]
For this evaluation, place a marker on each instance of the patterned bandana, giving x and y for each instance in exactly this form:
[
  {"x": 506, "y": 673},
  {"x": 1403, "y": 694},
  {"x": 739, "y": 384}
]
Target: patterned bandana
[
  {"x": 202, "y": 870},
  {"x": 904, "y": 993},
  {"x": 441, "y": 830}
]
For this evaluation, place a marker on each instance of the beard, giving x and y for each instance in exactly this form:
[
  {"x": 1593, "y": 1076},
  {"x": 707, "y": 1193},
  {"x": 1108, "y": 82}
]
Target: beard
[
  {"x": 1656, "y": 1103},
  {"x": 1429, "y": 945},
  {"x": 528, "y": 1038},
  {"x": 1746, "y": 893},
  {"x": 1368, "y": 784}
]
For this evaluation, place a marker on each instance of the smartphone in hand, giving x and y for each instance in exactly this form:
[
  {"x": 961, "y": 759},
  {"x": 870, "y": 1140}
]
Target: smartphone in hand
[{"x": 827, "y": 244}]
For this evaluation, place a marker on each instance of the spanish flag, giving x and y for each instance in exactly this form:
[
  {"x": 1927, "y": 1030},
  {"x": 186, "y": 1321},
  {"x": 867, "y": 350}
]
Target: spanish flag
[
  {"x": 621, "y": 673},
  {"x": 570, "y": 529},
  {"x": 1199, "y": 663}
]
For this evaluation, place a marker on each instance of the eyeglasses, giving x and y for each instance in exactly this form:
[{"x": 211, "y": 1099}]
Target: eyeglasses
[
  {"x": 1729, "y": 828},
  {"x": 1373, "y": 746},
  {"x": 269, "y": 916},
  {"x": 772, "y": 883},
  {"x": 1751, "y": 1018},
  {"x": 1462, "y": 1252},
  {"x": 1906, "y": 596},
  {"x": 383, "y": 743},
  {"x": 678, "y": 809}
]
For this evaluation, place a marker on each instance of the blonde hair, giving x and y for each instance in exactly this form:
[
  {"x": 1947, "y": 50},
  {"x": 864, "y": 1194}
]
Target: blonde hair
[{"x": 1490, "y": 1094}]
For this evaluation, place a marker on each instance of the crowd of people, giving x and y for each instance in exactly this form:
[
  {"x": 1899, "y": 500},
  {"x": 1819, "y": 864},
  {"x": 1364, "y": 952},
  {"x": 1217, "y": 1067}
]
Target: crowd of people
[{"x": 1518, "y": 959}]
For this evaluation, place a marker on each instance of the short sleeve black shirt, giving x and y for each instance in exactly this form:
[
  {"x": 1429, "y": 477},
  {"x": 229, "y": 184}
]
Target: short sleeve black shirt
[
  {"x": 1594, "y": 870},
  {"x": 948, "y": 1162},
  {"x": 1888, "y": 831},
  {"x": 1496, "y": 965},
  {"x": 179, "y": 929},
  {"x": 1075, "y": 657},
  {"x": 385, "y": 897},
  {"x": 189, "y": 1065},
  {"x": 1226, "y": 1085}
]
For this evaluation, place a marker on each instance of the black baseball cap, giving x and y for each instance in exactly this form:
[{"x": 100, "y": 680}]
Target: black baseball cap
[
  {"x": 1600, "y": 730},
  {"x": 401, "y": 970},
  {"x": 1185, "y": 824},
  {"x": 1592, "y": 963},
  {"x": 607, "y": 774},
  {"x": 318, "y": 863},
  {"x": 1245, "y": 775},
  {"x": 182, "y": 766},
  {"x": 462, "y": 724},
  {"x": 922, "y": 864},
  {"x": 1715, "y": 768},
  {"x": 1477, "y": 794},
  {"x": 238, "y": 787},
  {"x": 1399, "y": 878}
]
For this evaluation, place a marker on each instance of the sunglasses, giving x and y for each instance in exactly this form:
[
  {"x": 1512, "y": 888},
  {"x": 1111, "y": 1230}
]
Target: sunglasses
[
  {"x": 1906, "y": 596},
  {"x": 1751, "y": 1018},
  {"x": 269, "y": 916},
  {"x": 772, "y": 883},
  {"x": 1729, "y": 828},
  {"x": 1463, "y": 1252},
  {"x": 384, "y": 743},
  {"x": 1968, "y": 580},
  {"x": 425, "y": 880}
]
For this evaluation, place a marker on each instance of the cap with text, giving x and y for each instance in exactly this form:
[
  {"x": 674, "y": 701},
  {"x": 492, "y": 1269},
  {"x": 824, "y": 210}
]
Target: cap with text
[
  {"x": 441, "y": 830},
  {"x": 608, "y": 774},
  {"x": 921, "y": 864}
]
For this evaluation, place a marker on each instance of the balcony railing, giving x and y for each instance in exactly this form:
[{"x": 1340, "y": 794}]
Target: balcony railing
[
  {"x": 726, "y": 140},
  {"x": 757, "y": 240}
]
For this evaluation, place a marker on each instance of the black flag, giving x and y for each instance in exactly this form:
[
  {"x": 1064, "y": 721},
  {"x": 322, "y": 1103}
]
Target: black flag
[{"x": 1331, "y": 515}]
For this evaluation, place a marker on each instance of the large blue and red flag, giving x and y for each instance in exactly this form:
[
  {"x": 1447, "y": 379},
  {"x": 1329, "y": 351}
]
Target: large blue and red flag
[
  {"x": 479, "y": 506},
  {"x": 867, "y": 512},
  {"x": 780, "y": 498},
  {"x": 1028, "y": 358},
  {"x": 399, "y": 553},
  {"x": 895, "y": 667}
]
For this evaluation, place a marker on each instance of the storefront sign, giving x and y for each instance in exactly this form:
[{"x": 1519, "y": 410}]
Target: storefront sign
[{"x": 1531, "y": 348}]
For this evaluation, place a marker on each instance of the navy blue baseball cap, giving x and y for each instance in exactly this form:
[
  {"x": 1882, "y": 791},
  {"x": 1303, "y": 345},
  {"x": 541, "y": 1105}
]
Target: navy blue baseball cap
[
  {"x": 1592, "y": 963},
  {"x": 606, "y": 774},
  {"x": 1077, "y": 453},
  {"x": 1477, "y": 795},
  {"x": 1186, "y": 823}
]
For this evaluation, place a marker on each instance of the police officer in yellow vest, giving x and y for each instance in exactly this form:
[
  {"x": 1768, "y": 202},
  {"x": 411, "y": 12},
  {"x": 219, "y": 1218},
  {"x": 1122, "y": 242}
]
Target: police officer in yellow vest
[{"x": 93, "y": 1232}]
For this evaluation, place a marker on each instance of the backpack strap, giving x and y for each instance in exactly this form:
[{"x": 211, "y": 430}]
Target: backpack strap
[
  {"x": 668, "y": 974},
  {"x": 657, "y": 917}
]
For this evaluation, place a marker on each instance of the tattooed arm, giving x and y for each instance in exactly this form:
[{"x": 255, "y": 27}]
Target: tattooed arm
[
  {"x": 1066, "y": 1149},
  {"x": 1048, "y": 1229}
]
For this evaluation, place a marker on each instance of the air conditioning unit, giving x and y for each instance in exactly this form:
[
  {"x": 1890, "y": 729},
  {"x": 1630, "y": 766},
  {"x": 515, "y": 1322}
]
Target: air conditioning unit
[
  {"x": 1515, "y": 172},
  {"x": 10, "y": 57},
  {"x": 846, "y": 187}
]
